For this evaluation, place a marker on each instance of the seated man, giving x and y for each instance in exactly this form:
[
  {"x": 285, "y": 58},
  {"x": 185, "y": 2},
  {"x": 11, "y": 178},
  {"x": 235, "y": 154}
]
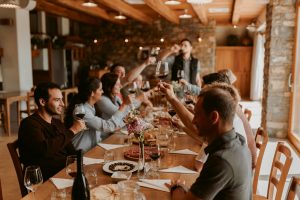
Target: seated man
[
  {"x": 227, "y": 172},
  {"x": 43, "y": 140}
]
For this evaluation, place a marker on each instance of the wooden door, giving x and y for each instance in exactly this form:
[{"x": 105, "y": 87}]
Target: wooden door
[{"x": 238, "y": 59}]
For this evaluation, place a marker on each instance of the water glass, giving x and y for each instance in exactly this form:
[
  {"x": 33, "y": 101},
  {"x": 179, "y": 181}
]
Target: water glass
[
  {"x": 128, "y": 189},
  {"x": 163, "y": 140},
  {"x": 108, "y": 156},
  {"x": 71, "y": 166},
  {"x": 33, "y": 178}
]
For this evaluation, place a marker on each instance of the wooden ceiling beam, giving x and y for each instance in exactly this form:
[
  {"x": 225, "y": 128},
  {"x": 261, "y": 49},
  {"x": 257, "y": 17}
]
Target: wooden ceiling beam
[
  {"x": 159, "y": 7},
  {"x": 201, "y": 13},
  {"x": 60, "y": 11},
  {"x": 96, "y": 12},
  {"x": 126, "y": 9},
  {"x": 236, "y": 13}
]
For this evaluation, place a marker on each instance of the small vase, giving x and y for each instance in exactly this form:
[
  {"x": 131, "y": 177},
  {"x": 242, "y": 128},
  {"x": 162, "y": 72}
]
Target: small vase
[{"x": 141, "y": 162}]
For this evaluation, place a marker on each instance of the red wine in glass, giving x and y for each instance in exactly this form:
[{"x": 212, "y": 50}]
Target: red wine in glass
[
  {"x": 188, "y": 101},
  {"x": 145, "y": 89},
  {"x": 131, "y": 91},
  {"x": 80, "y": 115},
  {"x": 162, "y": 76},
  {"x": 172, "y": 112}
]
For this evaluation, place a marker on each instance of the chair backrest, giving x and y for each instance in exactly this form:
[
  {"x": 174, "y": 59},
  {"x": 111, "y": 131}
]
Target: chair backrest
[
  {"x": 30, "y": 104},
  {"x": 1, "y": 196},
  {"x": 13, "y": 150},
  {"x": 277, "y": 180},
  {"x": 248, "y": 113},
  {"x": 261, "y": 140},
  {"x": 294, "y": 189}
]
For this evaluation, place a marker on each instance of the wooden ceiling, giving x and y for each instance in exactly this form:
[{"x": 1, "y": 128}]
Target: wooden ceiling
[{"x": 224, "y": 12}]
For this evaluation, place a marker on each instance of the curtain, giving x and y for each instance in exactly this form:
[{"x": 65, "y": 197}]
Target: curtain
[{"x": 257, "y": 68}]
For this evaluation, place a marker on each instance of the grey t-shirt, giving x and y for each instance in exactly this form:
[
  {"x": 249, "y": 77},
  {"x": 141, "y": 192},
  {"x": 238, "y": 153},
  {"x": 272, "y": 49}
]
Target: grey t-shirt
[{"x": 227, "y": 172}]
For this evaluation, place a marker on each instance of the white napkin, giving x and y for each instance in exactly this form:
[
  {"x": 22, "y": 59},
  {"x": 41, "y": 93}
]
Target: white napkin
[
  {"x": 179, "y": 169},
  {"x": 181, "y": 133},
  {"x": 61, "y": 183},
  {"x": 158, "y": 184},
  {"x": 110, "y": 146},
  {"x": 123, "y": 131},
  {"x": 90, "y": 161},
  {"x": 184, "y": 151}
]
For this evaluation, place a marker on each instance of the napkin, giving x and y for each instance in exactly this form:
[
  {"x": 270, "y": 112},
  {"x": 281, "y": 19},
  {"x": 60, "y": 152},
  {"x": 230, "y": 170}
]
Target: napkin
[
  {"x": 158, "y": 184},
  {"x": 123, "y": 131},
  {"x": 90, "y": 161},
  {"x": 181, "y": 133},
  {"x": 179, "y": 169},
  {"x": 184, "y": 151},
  {"x": 61, "y": 183},
  {"x": 110, "y": 146}
]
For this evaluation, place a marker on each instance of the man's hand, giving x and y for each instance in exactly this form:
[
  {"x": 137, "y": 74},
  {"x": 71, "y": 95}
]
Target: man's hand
[
  {"x": 175, "y": 48},
  {"x": 150, "y": 61},
  {"x": 78, "y": 125},
  {"x": 168, "y": 90}
]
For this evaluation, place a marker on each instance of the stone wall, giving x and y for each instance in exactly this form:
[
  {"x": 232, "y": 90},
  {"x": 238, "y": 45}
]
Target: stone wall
[
  {"x": 281, "y": 17},
  {"x": 111, "y": 45}
]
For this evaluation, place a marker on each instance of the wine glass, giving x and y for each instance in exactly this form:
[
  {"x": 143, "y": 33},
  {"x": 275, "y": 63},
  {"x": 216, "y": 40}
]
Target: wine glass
[
  {"x": 79, "y": 112},
  {"x": 33, "y": 178},
  {"x": 162, "y": 70},
  {"x": 146, "y": 86},
  {"x": 180, "y": 74},
  {"x": 71, "y": 166},
  {"x": 132, "y": 89},
  {"x": 155, "y": 162}
]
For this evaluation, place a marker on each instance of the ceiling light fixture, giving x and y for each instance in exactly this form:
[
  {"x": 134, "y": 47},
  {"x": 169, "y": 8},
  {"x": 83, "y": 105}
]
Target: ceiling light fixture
[
  {"x": 120, "y": 16},
  {"x": 9, "y": 4},
  {"x": 172, "y": 2},
  {"x": 185, "y": 15},
  {"x": 199, "y": 1},
  {"x": 89, "y": 3}
]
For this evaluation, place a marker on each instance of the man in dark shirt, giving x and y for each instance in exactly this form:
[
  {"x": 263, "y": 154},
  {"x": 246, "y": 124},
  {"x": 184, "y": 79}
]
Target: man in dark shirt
[
  {"x": 43, "y": 140},
  {"x": 227, "y": 172}
]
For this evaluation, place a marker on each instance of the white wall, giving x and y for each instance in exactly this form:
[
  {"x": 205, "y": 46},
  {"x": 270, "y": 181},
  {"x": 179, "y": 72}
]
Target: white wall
[{"x": 15, "y": 41}]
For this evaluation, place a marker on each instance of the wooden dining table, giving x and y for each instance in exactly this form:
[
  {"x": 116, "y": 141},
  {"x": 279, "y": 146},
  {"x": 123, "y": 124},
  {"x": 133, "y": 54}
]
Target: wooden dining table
[
  {"x": 169, "y": 160},
  {"x": 6, "y": 99}
]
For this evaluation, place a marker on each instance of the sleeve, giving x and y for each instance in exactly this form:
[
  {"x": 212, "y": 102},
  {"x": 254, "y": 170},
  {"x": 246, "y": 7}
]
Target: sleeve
[
  {"x": 195, "y": 89},
  {"x": 105, "y": 106},
  {"x": 34, "y": 138},
  {"x": 198, "y": 66},
  {"x": 215, "y": 175},
  {"x": 110, "y": 125}
]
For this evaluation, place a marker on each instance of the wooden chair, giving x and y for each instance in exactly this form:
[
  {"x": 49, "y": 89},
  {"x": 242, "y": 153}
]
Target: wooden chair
[
  {"x": 261, "y": 140},
  {"x": 248, "y": 113},
  {"x": 277, "y": 180},
  {"x": 1, "y": 196},
  {"x": 13, "y": 150},
  {"x": 294, "y": 189},
  {"x": 31, "y": 107}
]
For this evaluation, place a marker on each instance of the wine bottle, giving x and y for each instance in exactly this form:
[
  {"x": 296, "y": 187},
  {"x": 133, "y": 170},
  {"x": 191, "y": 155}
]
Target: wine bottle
[{"x": 80, "y": 189}]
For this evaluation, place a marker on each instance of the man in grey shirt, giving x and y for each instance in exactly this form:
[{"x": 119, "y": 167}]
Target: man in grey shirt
[{"x": 227, "y": 172}]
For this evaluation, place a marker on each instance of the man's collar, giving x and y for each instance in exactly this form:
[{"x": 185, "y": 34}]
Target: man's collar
[{"x": 218, "y": 142}]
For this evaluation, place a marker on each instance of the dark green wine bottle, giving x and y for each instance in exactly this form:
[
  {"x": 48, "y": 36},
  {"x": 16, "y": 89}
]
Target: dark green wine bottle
[{"x": 80, "y": 189}]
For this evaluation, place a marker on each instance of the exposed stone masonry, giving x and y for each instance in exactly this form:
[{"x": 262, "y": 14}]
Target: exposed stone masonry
[
  {"x": 281, "y": 17},
  {"x": 112, "y": 46}
]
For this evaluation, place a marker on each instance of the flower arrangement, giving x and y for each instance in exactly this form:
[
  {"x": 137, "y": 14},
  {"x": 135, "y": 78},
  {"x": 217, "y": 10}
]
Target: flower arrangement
[{"x": 135, "y": 125}]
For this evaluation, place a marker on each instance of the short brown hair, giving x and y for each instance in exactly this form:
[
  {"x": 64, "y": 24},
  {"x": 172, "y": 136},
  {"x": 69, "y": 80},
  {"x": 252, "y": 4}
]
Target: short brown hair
[
  {"x": 229, "y": 88},
  {"x": 220, "y": 100}
]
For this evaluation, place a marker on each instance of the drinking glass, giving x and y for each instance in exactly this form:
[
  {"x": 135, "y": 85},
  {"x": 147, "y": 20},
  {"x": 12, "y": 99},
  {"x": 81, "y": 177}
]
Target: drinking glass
[
  {"x": 155, "y": 160},
  {"x": 108, "y": 156},
  {"x": 33, "y": 178},
  {"x": 163, "y": 140},
  {"x": 71, "y": 166},
  {"x": 133, "y": 87},
  {"x": 146, "y": 86},
  {"x": 79, "y": 112},
  {"x": 128, "y": 189},
  {"x": 180, "y": 74},
  {"x": 162, "y": 70}
]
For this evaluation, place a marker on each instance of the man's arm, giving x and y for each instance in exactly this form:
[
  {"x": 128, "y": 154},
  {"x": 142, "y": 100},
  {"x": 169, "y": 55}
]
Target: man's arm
[
  {"x": 198, "y": 77},
  {"x": 133, "y": 73},
  {"x": 183, "y": 113},
  {"x": 173, "y": 50}
]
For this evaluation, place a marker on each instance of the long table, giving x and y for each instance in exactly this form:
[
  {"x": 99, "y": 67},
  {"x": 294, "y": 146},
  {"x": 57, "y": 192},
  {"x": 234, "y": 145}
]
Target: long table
[{"x": 170, "y": 160}]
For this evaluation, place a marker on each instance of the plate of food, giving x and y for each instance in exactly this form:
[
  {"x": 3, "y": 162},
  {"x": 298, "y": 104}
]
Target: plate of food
[
  {"x": 120, "y": 165},
  {"x": 133, "y": 153}
]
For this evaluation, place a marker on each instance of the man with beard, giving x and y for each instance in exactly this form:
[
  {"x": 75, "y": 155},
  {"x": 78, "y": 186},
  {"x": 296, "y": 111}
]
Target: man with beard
[{"x": 43, "y": 140}]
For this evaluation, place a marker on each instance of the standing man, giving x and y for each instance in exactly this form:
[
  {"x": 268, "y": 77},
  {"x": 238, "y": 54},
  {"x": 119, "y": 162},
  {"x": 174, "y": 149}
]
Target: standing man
[
  {"x": 227, "y": 172},
  {"x": 180, "y": 58},
  {"x": 43, "y": 140}
]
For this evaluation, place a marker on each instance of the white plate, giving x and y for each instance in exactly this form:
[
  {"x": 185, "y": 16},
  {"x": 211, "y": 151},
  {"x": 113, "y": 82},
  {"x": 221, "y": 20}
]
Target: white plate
[{"x": 107, "y": 165}]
